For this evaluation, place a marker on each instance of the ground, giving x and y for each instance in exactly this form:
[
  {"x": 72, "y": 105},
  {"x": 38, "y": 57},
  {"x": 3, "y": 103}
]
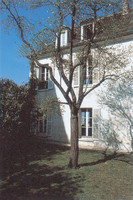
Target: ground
[{"x": 42, "y": 173}]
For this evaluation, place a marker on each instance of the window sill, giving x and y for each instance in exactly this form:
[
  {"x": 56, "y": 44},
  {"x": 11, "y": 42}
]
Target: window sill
[
  {"x": 88, "y": 86},
  {"x": 87, "y": 138},
  {"x": 43, "y": 90}
]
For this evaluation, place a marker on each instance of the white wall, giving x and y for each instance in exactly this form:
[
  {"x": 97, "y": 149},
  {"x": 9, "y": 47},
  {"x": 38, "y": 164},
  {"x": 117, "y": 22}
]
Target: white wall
[{"x": 91, "y": 100}]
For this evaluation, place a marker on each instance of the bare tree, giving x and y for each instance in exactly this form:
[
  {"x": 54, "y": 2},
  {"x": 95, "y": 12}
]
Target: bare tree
[{"x": 91, "y": 52}]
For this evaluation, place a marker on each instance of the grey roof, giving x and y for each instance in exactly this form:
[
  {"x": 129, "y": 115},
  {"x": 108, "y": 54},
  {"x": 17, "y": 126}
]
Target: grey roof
[{"x": 110, "y": 29}]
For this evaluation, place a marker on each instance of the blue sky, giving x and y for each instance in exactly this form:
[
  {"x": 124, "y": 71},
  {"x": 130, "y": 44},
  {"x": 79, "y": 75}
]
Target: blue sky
[{"x": 12, "y": 65}]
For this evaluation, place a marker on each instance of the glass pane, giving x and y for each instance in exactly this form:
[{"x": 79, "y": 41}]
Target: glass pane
[
  {"x": 90, "y": 75},
  {"x": 89, "y": 113},
  {"x": 89, "y": 131},
  {"x": 89, "y": 122},
  {"x": 43, "y": 69},
  {"x": 85, "y": 32},
  {"x": 85, "y": 81},
  {"x": 83, "y": 119},
  {"x": 86, "y": 122},
  {"x": 43, "y": 77},
  {"x": 83, "y": 132},
  {"x": 47, "y": 75},
  {"x": 63, "y": 38},
  {"x": 89, "y": 118}
]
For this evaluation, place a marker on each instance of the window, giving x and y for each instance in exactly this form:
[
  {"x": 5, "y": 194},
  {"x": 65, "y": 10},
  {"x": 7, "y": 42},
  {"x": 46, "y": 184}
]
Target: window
[
  {"x": 86, "y": 32},
  {"x": 63, "y": 42},
  {"x": 78, "y": 73},
  {"x": 64, "y": 38},
  {"x": 44, "y": 74},
  {"x": 44, "y": 125},
  {"x": 41, "y": 125},
  {"x": 86, "y": 122},
  {"x": 88, "y": 79},
  {"x": 44, "y": 78},
  {"x": 89, "y": 122}
]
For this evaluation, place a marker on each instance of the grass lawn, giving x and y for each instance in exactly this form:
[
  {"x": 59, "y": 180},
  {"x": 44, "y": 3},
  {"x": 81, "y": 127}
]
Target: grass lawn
[{"x": 43, "y": 174}]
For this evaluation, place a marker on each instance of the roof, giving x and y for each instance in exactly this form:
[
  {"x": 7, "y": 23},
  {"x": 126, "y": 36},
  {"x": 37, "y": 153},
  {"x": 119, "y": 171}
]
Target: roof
[{"x": 110, "y": 29}]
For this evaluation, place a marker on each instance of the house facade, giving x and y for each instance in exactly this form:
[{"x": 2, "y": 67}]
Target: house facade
[{"x": 92, "y": 113}]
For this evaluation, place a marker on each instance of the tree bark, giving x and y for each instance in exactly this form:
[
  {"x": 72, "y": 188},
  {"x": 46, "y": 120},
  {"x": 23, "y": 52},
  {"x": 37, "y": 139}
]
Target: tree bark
[{"x": 73, "y": 163}]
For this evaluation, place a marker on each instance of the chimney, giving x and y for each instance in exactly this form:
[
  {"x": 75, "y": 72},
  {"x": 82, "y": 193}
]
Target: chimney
[{"x": 125, "y": 7}]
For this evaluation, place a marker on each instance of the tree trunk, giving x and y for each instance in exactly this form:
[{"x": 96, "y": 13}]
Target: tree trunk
[{"x": 74, "y": 140}]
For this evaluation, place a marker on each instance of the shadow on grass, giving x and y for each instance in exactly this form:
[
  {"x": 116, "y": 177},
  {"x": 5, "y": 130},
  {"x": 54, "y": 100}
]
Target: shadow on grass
[
  {"x": 33, "y": 177},
  {"x": 38, "y": 172},
  {"x": 39, "y": 182},
  {"x": 126, "y": 159},
  {"x": 115, "y": 156}
]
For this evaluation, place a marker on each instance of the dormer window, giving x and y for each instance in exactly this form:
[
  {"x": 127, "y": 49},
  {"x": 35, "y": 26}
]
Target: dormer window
[
  {"x": 86, "y": 31},
  {"x": 64, "y": 38}
]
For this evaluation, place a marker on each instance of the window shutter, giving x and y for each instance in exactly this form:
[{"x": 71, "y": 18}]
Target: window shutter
[
  {"x": 79, "y": 123},
  {"x": 95, "y": 69},
  {"x": 49, "y": 126},
  {"x": 96, "y": 123},
  {"x": 40, "y": 71},
  {"x": 37, "y": 73},
  {"x": 68, "y": 36},
  {"x": 50, "y": 82},
  {"x": 76, "y": 74},
  {"x": 95, "y": 77},
  {"x": 90, "y": 60},
  {"x": 100, "y": 73}
]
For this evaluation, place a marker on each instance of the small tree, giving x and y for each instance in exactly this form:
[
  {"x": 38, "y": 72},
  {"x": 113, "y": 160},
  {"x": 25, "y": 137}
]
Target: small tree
[{"x": 70, "y": 14}]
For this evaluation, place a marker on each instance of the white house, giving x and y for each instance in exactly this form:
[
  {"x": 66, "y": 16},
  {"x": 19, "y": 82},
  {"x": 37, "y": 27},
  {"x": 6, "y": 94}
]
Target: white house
[{"x": 92, "y": 114}]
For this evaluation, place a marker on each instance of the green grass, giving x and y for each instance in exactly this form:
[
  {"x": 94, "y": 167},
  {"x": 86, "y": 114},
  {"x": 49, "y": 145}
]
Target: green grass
[{"x": 43, "y": 174}]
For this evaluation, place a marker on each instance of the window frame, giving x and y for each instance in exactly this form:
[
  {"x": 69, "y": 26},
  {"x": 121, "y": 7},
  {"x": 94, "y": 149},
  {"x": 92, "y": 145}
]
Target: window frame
[
  {"x": 88, "y": 129},
  {"x": 86, "y": 31},
  {"x": 89, "y": 71},
  {"x": 89, "y": 77},
  {"x": 44, "y": 78},
  {"x": 63, "y": 38},
  {"x": 43, "y": 122},
  {"x": 43, "y": 75},
  {"x": 46, "y": 123}
]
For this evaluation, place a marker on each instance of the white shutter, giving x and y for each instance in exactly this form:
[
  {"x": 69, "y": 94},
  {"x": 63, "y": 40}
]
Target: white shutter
[
  {"x": 76, "y": 74},
  {"x": 63, "y": 38},
  {"x": 95, "y": 68},
  {"x": 95, "y": 77},
  {"x": 101, "y": 73},
  {"x": 49, "y": 125},
  {"x": 68, "y": 36},
  {"x": 37, "y": 73},
  {"x": 97, "y": 72},
  {"x": 79, "y": 123},
  {"x": 82, "y": 33},
  {"x": 40, "y": 71},
  {"x": 50, "y": 82},
  {"x": 96, "y": 123}
]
